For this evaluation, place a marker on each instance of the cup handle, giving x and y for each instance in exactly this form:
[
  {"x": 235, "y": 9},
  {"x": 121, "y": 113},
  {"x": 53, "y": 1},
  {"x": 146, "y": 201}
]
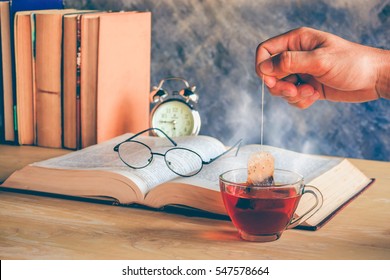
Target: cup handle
[{"x": 319, "y": 201}]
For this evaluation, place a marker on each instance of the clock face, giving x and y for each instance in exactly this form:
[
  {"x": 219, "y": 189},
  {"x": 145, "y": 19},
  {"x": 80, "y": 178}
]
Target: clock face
[{"x": 175, "y": 118}]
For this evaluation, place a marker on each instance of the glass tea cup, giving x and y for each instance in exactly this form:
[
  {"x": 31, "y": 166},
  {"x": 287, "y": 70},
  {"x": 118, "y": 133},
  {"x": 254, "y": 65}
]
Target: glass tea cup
[{"x": 262, "y": 213}]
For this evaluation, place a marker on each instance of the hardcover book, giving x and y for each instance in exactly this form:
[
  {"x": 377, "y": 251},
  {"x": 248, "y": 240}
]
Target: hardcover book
[
  {"x": 6, "y": 77},
  {"x": 123, "y": 73},
  {"x": 48, "y": 77},
  {"x": 97, "y": 172},
  {"x": 24, "y": 83},
  {"x": 106, "y": 75},
  {"x": 9, "y": 108},
  {"x": 80, "y": 79}
]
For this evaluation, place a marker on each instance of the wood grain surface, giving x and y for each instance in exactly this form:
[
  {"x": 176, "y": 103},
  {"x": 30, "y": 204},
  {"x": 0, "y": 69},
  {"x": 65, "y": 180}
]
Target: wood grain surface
[
  {"x": 38, "y": 227},
  {"x": 16, "y": 157}
]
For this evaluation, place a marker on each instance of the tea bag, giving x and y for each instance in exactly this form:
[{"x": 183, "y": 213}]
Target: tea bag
[
  {"x": 260, "y": 173},
  {"x": 261, "y": 169}
]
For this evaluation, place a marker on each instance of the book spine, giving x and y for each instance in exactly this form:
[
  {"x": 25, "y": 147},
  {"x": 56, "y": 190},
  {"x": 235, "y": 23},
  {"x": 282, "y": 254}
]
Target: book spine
[
  {"x": 2, "y": 127},
  {"x": 33, "y": 44},
  {"x": 78, "y": 82},
  {"x": 7, "y": 88},
  {"x": 88, "y": 75},
  {"x": 48, "y": 79},
  {"x": 70, "y": 83},
  {"x": 24, "y": 81}
]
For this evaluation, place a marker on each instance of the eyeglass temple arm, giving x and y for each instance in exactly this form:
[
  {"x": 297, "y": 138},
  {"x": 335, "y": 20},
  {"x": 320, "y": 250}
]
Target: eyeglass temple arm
[
  {"x": 237, "y": 144},
  {"x": 143, "y": 131}
]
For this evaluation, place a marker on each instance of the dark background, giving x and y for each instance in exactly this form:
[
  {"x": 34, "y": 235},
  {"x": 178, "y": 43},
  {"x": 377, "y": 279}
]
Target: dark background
[{"x": 212, "y": 44}]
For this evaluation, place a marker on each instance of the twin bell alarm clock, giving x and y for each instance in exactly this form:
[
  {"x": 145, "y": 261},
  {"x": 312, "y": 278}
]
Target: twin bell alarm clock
[{"x": 175, "y": 112}]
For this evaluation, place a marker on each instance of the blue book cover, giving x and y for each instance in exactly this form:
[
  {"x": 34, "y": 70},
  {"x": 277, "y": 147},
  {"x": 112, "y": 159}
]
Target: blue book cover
[{"x": 28, "y": 5}]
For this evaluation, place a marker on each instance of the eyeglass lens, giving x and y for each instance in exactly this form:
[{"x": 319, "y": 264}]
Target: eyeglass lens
[
  {"x": 135, "y": 154},
  {"x": 183, "y": 162},
  {"x": 180, "y": 160}
]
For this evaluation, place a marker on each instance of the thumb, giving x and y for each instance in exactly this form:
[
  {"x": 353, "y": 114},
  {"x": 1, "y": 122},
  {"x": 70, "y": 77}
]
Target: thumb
[{"x": 291, "y": 62}]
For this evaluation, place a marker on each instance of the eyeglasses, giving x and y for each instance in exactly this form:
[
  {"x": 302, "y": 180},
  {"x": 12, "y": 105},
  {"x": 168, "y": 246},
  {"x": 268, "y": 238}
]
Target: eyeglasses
[{"x": 181, "y": 161}]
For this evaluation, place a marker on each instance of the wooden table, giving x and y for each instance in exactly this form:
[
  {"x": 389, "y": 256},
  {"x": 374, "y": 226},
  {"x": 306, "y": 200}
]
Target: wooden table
[{"x": 35, "y": 227}]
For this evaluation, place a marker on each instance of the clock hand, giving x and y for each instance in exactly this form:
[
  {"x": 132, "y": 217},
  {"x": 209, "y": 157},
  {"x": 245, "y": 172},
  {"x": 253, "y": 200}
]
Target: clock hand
[{"x": 172, "y": 122}]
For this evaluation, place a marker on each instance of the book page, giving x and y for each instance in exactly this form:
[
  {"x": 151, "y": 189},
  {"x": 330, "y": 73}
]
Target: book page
[
  {"x": 103, "y": 157},
  {"x": 309, "y": 166},
  {"x": 337, "y": 186}
]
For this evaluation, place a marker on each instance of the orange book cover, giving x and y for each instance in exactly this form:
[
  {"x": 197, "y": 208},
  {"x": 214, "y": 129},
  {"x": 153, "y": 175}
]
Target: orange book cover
[
  {"x": 80, "y": 41},
  {"x": 6, "y": 64},
  {"x": 89, "y": 39},
  {"x": 48, "y": 45},
  {"x": 48, "y": 76},
  {"x": 24, "y": 82},
  {"x": 123, "y": 73},
  {"x": 70, "y": 83}
]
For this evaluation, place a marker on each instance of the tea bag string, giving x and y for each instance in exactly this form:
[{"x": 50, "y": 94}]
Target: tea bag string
[{"x": 262, "y": 113}]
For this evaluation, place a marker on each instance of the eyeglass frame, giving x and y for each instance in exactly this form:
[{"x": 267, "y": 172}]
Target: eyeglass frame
[{"x": 116, "y": 149}]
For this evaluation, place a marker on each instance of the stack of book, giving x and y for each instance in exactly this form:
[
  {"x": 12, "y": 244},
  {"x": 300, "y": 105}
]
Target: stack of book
[{"x": 72, "y": 78}]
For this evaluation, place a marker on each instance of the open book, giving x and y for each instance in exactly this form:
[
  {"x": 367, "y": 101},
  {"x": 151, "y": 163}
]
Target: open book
[{"x": 97, "y": 172}]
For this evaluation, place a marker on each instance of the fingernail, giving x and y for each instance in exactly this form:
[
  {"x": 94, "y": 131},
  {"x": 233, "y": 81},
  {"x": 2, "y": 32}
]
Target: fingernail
[
  {"x": 267, "y": 67},
  {"x": 269, "y": 81}
]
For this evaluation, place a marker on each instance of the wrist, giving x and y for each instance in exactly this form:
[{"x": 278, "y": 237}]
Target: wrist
[{"x": 382, "y": 85}]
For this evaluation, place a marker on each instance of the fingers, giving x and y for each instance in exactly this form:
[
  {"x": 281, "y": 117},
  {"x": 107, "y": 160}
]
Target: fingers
[
  {"x": 300, "y": 39},
  {"x": 271, "y": 81},
  {"x": 306, "y": 102},
  {"x": 278, "y": 44},
  {"x": 284, "y": 89},
  {"x": 300, "y": 96},
  {"x": 290, "y": 62},
  {"x": 299, "y": 51},
  {"x": 292, "y": 52},
  {"x": 306, "y": 96}
]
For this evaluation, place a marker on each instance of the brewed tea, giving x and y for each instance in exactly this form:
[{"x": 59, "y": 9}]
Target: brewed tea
[{"x": 261, "y": 211}]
